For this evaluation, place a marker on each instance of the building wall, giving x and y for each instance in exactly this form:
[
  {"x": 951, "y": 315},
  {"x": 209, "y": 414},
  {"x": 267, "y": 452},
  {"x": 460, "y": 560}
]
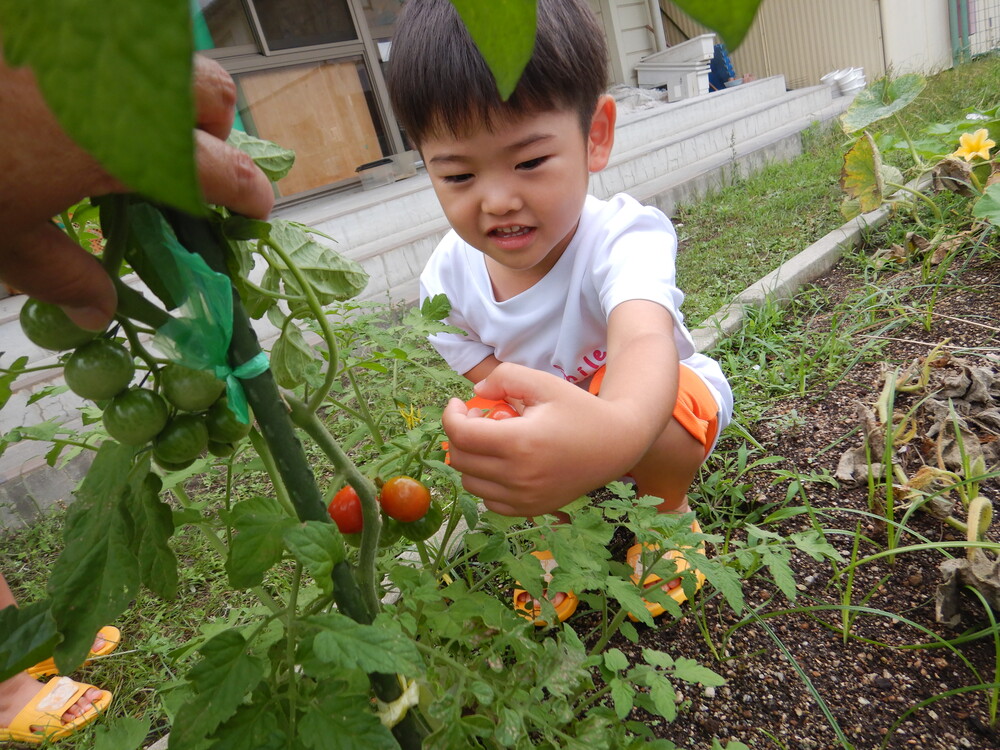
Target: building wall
[
  {"x": 805, "y": 39},
  {"x": 801, "y": 39},
  {"x": 916, "y": 35}
]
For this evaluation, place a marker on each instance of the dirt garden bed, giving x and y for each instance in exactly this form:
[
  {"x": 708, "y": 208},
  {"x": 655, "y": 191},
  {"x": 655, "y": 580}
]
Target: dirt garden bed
[{"x": 792, "y": 678}]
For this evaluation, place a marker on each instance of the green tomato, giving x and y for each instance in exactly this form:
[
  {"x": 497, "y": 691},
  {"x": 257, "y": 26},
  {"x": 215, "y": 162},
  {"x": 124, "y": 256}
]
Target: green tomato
[
  {"x": 135, "y": 416},
  {"x": 188, "y": 389},
  {"x": 391, "y": 531},
  {"x": 423, "y": 528},
  {"x": 99, "y": 369},
  {"x": 183, "y": 439},
  {"x": 172, "y": 466},
  {"x": 220, "y": 450},
  {"x": 47, "y": 326},
  {"x": 223, "y": 426}
]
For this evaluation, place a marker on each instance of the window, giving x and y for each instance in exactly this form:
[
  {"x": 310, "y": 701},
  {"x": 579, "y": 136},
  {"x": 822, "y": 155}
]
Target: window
[{"x": 308, "y": 77}]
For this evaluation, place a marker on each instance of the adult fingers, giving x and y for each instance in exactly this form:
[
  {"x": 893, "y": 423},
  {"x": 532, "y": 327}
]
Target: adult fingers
[
  {"x": 214, "y": 97},
  {"x": 230, "y": 178},
  {"x": 43, "y": 262}
]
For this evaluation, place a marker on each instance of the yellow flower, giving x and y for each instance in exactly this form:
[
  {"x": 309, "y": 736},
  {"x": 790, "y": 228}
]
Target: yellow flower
[
  {"x": 411, "y": 416},
  {"x": 975, "y": 144}
]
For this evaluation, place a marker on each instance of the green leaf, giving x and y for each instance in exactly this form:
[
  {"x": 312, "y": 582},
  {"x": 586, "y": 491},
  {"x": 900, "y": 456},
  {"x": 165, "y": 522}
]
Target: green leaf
[
  {"x": 121, "y": 733},
  {"x": 343, "y": 721},
  {"x": 8, "y": 377},
  {"x": 332, "y": 276},
  {"x": 691, "y": 671},
  {"x": 436, "y": 307},
  {"x": 153, "y": 521},
  {"x": 29, "y": 636},
  {"x": 814, "y": 544},
  {"x": 508, "y": 52},
  {"x": 292, "y": 359},
  {"x": 615, "y": 660},
  {"x": 351, "y": 645},
  {"x": 253, "y": 726},
  {"x": 861, "y": 177},
  {"x": 722, "y": 578},
  {"x": 221, "y": 680},
  {"x": 318, "y": 546},
  {"x": 988, "y": 206},
  {"x": 730, "y": 18},
  {"x": 259, "y": 543},
  {"x": 881, "y": 99},
  {"x": 623, "y": 697},
  {"x": 97, "y": 575},
  {"x": 780, "y": 571},
  {"x": 118, "y": 79},
  {"x": 273, "y": 160}
]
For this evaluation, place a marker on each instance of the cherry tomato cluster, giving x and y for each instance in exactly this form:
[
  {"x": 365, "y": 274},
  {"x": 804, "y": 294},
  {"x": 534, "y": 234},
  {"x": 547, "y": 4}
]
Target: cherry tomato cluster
[
  {"x": 188, "y": 415},
  {"x": 407, "y": 510}
]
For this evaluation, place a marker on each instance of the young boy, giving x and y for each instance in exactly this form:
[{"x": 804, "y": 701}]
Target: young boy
[{"x": 569, "y": 302}]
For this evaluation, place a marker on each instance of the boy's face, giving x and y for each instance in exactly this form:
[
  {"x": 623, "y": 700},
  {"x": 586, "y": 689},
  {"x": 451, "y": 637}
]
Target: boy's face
[{"x": 515, "y": 193}]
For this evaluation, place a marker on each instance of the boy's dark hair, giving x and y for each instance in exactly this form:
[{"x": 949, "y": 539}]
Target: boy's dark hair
[{"x": 438, "y": 80}]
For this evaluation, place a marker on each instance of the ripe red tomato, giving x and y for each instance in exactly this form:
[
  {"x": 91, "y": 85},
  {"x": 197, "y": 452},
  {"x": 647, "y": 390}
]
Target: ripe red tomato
[
  {"x": 405, "y": 499},
  {"x": 345, "y": 510},
  {"x": 492, "y": 409}
]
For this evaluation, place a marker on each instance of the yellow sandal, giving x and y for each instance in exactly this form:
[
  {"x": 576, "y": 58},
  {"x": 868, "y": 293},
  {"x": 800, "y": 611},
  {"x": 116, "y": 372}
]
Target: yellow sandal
[
  {"x": 524, "y": 606},
  {"x": 676, "y": 592}
]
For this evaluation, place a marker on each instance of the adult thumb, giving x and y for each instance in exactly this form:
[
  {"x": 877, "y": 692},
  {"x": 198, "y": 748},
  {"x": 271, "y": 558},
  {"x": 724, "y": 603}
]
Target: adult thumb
[{"x": 44, "y": 263}]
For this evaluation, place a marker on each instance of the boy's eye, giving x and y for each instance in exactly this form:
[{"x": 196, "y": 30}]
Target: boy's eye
[
  {"x": 532, "y": 163},
  {"x": 457, "y": 178}
]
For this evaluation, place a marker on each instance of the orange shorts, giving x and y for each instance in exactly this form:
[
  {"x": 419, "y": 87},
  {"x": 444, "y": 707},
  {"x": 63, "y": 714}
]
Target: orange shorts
[{"x": 696, "y": 409}]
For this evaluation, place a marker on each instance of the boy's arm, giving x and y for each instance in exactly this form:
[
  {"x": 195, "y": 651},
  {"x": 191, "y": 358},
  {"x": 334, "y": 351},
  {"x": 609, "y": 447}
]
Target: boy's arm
[
  {"x": 568, "y": 442},
  {"x": 482, "y": 370}
]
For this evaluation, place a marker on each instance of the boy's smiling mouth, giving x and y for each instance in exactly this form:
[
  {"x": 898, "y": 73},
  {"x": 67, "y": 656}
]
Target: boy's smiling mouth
[{"x": 516, "y": 230}]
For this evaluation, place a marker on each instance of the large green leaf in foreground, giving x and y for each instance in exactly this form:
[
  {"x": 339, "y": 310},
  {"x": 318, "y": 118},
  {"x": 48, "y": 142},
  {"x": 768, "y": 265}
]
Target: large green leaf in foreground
[
  {"x": 881, "y": 99},
  {"x": 730, "y": 18},
  {"x": 504, "y": 31},
  {"x": 117, "y": 73}
]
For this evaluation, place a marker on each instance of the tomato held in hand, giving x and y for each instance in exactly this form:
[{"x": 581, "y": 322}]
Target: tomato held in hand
[
  {"x": 183, "y": 439},
  {"x": 423, "y": 528},
  {"x": 99, "y": 369},
  {"x": 136, "y": 416},
  {"x": 47, "y": 326},
  {"x": 188, "y": 389},
  {"x": 405, "y": 499},
  {"x": 492, "y": 409},
  {"x": 345, "y": 510}
]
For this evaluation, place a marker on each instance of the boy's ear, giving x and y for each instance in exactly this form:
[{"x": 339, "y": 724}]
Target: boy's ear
[{"x": 601, "y": 137}]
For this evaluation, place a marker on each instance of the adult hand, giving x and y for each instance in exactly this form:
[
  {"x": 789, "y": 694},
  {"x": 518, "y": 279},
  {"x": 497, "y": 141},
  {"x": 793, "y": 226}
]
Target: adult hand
[
  {"x": 566, "y": 443},
  {"x": 43, "y": 172}
]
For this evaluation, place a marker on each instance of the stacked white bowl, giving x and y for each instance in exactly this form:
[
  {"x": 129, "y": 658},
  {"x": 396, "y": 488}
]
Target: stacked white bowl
[{"x": 847, "y": 81}]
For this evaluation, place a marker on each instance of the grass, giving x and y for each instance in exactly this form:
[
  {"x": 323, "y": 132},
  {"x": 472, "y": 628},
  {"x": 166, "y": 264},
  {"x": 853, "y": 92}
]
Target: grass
[
  {"x": 734, "y": 237},
  {"x": 728, "y": 241}
]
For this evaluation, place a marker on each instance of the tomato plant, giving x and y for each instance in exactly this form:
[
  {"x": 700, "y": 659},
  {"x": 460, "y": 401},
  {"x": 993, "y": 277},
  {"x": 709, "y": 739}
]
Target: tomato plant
[
  {"x": 99, "y": 369},
  {"x": 47, "y": 326},
  {"x": 405, "y": 499},
  {"x": 189, "y": 389},
  {"x": 345, "y": 510},
  {"x": 135, "y": 416}
]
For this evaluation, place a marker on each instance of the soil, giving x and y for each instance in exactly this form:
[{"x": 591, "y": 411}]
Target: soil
[{"x": 873, "y": 678}]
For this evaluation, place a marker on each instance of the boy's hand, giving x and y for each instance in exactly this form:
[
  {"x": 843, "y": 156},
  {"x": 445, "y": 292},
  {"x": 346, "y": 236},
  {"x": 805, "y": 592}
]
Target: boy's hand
[{"x": 566, "y": 443}]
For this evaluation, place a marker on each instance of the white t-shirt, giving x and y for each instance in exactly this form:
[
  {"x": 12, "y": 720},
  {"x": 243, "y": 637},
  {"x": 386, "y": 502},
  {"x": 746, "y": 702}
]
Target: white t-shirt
[{"x": 621, "y": 251}]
